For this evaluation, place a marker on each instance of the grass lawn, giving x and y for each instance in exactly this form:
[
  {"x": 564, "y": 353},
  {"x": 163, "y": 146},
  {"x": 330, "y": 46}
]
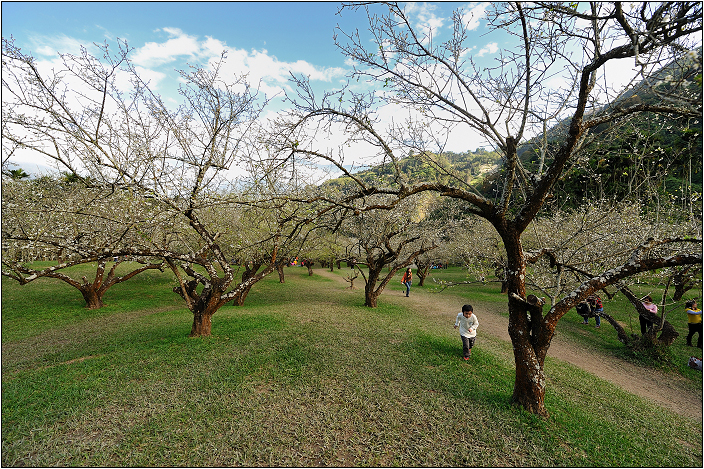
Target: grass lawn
[{"x": 302, "y": 375}]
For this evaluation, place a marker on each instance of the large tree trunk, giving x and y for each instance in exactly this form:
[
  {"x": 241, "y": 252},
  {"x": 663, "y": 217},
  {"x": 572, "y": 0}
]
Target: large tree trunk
[
  {"x": 280, "y": 270},
  {"x": 93, "y": 296},
  {"x": 202, "y": 322},
  {"x": 530, "y": 337},
  {"x": 422, "y": 271},
  {"x": 309, "y": 265},
  {"x": 202, "y": 317},
  {"x": 202, "y": 305},
  {"x": 529, "y": 384},
  {"x": 370, "y": 298},
  {"x": 370, "y": 292},
  {"x": 529, "y": 354}
]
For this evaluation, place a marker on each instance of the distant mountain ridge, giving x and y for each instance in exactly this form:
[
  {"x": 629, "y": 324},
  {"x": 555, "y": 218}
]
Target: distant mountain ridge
[
  {"x": 658, "y": 155},
  {"x": 470, "y": 167}
]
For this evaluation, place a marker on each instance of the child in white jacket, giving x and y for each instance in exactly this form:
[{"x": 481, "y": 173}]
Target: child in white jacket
[{"x": 468, "y": 323}]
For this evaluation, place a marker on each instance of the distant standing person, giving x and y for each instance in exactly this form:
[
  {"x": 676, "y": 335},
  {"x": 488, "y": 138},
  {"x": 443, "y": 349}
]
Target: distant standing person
[
  {"x": 694, "y": 322},
  {"x": 645, "y": 324},
  {"x": 468, "y": 323},
  {"x": 597, "y": 308},
  {"x": 407, "y": 280}
]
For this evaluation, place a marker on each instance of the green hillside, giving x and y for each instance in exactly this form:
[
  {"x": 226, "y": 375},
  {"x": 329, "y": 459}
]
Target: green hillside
[
  {"x": 470, "y": 167},
  {"x": 651, "y": 157}
]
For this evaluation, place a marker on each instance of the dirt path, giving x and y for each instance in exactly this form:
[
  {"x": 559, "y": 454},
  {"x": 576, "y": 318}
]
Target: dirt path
[{"x": 664, "y": 389}]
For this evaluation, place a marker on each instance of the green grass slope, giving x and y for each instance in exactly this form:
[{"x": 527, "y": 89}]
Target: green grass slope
[{"x": 303, "y": 375}]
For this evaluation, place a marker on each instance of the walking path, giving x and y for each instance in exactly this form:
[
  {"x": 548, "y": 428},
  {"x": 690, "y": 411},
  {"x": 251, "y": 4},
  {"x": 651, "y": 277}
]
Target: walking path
[{"x": 667, "y": 390}]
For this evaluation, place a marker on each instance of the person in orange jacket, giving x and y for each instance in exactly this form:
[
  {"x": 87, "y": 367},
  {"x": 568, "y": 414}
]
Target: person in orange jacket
[{"x": 407, "y": 280}]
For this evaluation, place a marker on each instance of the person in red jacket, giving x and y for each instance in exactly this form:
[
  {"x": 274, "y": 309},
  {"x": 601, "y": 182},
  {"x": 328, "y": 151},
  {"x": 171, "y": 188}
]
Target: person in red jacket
[{"x": 407, "y": 280}]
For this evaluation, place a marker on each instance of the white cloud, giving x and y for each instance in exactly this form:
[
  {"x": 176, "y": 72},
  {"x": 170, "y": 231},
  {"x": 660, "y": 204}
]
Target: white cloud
[
  {"x": 179, "y": 44},
  {"x": 427, "y": 21},
  {"x": 490, "y": 48},
  {"x": 51, "y": 46},
  {"x": 213, "y": 47},
  {"x": 152, "y": 77},
  {"x": 473, "y": 17},
  {"x": 467, "y": 51},
  {"x": 264, "y": 71},
  {"x": 270, "y": 74}
]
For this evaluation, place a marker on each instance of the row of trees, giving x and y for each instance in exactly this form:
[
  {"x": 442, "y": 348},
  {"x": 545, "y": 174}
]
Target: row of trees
[
  {"x": 208, "y": 188},
  {"x": 77, "y": 223}
]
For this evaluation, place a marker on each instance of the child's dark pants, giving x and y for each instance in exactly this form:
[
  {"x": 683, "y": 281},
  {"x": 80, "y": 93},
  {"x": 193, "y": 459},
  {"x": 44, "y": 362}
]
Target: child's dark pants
[{"x": 467, "y": 344}]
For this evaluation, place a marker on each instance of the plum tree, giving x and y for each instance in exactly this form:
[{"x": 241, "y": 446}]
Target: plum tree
[{"x": 413, "y": 67}]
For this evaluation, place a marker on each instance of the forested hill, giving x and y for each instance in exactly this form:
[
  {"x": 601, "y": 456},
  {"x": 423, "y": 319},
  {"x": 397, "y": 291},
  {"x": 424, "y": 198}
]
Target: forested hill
[
  {"x": 470, "y": 167},
  {"x": 646, "y": 156}
]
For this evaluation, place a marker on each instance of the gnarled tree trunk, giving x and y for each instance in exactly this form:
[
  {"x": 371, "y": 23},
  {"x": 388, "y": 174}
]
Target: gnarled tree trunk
[
  {"x": 202, "y": 321},
  {"x": 530, "y": 335},
  {"x": 241, "y": 296},
  {"x": 203, "y": 305},
  {"x": 423, "y": 267},
  {"x": 92, "y": 295},
  {"x": 371, "y": 293},
  {"x": 206, "y": 305},
  {"x": 245, "y": 286},
  {"x": 309, "y": 265},
  {"x": 280, "y": 269}
]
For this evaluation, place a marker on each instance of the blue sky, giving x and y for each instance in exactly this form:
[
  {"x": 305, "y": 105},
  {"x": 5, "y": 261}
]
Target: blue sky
[
  {"x": 292, "y": 31},
  {"x": 295, "y": 36},
  {"x": 267, "y": 40},
  {"x": 166, "y": 35}
]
